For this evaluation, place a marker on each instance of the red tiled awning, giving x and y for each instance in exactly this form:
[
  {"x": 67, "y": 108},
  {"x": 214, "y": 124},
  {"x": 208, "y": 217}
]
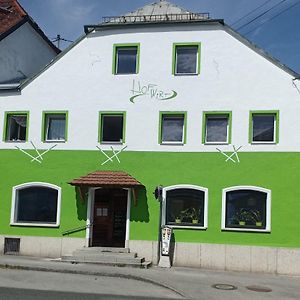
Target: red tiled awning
[{"x": 107, "y": 179}]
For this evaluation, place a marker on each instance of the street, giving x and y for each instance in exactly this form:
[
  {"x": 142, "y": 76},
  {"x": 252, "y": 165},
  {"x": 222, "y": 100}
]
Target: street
[{"x": 25, "y": 285}]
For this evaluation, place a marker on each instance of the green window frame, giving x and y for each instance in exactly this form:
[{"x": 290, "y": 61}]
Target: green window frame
[
  {"x": 174, "y": 114},
  {"x": 274, "y": 113},
  {"x": 7, "y": 116},
  {"x": 174, "y": 57},
  {"x": 216, "y": 114},
  {"x": 127, "y": 46},
  {"x": 104, "y": 114},
  {"x": 45, "y": 118}
]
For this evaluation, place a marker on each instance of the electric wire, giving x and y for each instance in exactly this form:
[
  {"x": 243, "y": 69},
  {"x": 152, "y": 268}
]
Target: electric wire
[
  {"x": 275, "y": 16},
  {"x": 248, "y": 14},
  {"x": 262, "y": 14}
]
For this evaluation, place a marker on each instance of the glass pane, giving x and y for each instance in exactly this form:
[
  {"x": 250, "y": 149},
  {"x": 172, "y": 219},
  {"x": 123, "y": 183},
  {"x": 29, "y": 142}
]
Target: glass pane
[
  {"x": 185, "y": 207},
  {"x": 36, "y": 205},
  {"x": 186, "y": 60},
  {"x": 56, "y": 127},
  {"x": 263, "y": 128},
  {"x": 246, "y": 209},
  {"x": 126, "y": 60},
  {"x": 16, "y": 128},
  {"x": 216, "y": 129},
  {"x": 112, "y": 128},
  {"x": 172, "y": 129}
]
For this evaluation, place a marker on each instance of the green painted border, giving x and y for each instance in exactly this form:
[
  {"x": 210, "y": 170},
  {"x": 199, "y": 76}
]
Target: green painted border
[
  {"x": 114, "y": 59},
  {"x": 263, "y": 112},
  {"x": 174, "y": 57},
  {"x": 216, "y": 113},
  {"x": 111, "y": 113},
  {"x": 53, "y": 112},
  {"x": 172, "y": 113},
  {"x": 15, "y": 113}
]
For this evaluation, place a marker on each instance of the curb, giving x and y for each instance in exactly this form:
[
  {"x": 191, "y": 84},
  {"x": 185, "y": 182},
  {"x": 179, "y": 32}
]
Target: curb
[{"x": 92, "y": 273}]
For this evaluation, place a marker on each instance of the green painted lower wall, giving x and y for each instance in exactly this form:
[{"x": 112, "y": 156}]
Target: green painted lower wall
[{"x": 278, "y": 172}]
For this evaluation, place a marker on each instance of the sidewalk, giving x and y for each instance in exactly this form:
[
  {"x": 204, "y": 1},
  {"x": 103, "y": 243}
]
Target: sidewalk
[{"x": 188, "y": 282}]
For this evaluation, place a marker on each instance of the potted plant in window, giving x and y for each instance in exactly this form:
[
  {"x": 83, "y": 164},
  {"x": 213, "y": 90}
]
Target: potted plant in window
[
  {"x": 243, "y": 216},
  {"x": 190, "y": 215},
  {"x": 256, "y": 217}
]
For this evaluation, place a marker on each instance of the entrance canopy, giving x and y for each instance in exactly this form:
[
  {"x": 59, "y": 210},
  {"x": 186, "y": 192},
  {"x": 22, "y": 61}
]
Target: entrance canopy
[{"x": 108, "y": 179}]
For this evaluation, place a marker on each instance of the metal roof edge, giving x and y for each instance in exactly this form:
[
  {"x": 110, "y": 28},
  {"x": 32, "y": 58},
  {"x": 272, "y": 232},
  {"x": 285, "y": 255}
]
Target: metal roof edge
[
  {"x": 52, "y": 62},
  {"x": 89, "y": 28},
  {"x": 260, "y": 51}
]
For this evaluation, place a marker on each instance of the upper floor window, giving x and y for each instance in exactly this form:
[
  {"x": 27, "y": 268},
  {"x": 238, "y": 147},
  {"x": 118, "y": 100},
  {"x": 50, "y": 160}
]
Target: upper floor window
[
  {"x": 112, "y": 127},
  {"x": 185, "y": 205},
  {"x": 126, "y": 59},
  {"x": 264, "y": 127},
  {"x": 246, "y": 208},
  {"x": 55, "y": 126},
  {"x": 186, "y": 58},
  {"x": 36, "y": 204},
  {"x": 216, "y": 127},
  {"x": 16, "y": 126},
  {"x": 172, "y": 128}
]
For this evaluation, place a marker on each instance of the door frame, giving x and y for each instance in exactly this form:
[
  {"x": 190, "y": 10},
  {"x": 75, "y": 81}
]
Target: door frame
[{"x": 90, "y": 216}]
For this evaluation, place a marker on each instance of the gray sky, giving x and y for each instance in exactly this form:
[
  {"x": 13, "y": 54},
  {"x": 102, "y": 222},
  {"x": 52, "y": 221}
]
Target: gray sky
[{"x": 278, "y": 35}]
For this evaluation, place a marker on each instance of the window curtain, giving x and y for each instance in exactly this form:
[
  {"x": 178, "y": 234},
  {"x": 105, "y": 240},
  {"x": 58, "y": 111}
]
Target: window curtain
[
  {"x": 20, "y": 120},
  {"x": 56, "y": 129}
]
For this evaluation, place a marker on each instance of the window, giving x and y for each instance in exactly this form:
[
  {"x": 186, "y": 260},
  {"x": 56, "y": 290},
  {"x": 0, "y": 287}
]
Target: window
[
  {"x": 112, "y": 128},
  {"x": 172, "y": 128},
  {"x": 185, "y": 205},
  {"x": 15, "y": 127},
  {"x": 55, "y": 126},
  {"x": 264, "y": 127},
  {"x": 217, "y": 128},
  {"x": 246, "y": 208},
  {"x": 186, "y": 59},
  {"x": 126, "y": 59},
  {"x": 36, "y": 204}
]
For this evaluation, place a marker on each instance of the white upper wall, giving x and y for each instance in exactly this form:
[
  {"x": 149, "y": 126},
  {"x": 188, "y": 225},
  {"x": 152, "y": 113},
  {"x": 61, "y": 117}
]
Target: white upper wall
[
  {"x": 233, "y": 78},
  {"x": 23, "y": 53}
]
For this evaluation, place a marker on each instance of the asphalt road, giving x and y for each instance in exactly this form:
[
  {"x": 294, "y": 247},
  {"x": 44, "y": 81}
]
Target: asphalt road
[
  {"x": 28, "y": 294},
  {"x": 25, "y": 285}
]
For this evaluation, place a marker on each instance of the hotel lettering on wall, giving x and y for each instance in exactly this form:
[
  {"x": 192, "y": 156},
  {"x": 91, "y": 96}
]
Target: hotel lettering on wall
[{"x": 150, "y": 90}]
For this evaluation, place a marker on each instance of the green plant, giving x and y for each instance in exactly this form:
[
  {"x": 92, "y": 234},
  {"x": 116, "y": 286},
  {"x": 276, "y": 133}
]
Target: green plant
[{"x": 190, "y": 214}]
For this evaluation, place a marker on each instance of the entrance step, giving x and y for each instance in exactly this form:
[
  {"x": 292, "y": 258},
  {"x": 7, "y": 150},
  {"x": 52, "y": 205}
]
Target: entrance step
[{"x": 107, "y": 256}]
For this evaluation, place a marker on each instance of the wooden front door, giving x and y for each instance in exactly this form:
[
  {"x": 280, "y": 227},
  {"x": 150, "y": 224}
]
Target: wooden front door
[{"x": 109, "y": 224}]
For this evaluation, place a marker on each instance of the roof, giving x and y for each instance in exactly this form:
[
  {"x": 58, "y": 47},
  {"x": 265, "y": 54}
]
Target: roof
[
  {"x": 107, "y": 179},
  {"x": 13, "y": 15},
  {"x": 157, "y": 12}
]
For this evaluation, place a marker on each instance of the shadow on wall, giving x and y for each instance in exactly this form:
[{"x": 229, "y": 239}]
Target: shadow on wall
[
  {"x": 140, "y": 211},
  {"x": 81, "y": 202}
]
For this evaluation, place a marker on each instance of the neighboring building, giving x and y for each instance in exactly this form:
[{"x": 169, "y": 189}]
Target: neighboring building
[
  {"x": 157, "y": 97},
  {"x": 24, "y": 48}
]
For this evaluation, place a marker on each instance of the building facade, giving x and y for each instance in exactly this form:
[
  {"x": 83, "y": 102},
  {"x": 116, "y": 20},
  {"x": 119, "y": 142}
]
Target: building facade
[{"x": 188, "y": 105}]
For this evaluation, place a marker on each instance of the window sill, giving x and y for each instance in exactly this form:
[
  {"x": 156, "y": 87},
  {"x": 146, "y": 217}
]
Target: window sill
[
  {"x": 54, "y": 141},
  {"x": 125, "y": 74},
  {"x": 34, "y": 224},
  {"x": 111, "y": 143},
  {"x": 247, "y": 230},
  {"x": 172, "y": 143},
  {"x": 15, "y": 141},
  {"x": 186, "y": 74},
  {"x": 216, "y": 143},
  {"x": 263, "y": 143},
  {"x": 187, "y": 227}
]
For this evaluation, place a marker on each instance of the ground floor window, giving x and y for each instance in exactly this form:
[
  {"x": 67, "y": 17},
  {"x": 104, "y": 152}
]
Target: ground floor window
[
  {"x": 185, "y": 206},
  {"x": 36, "y": 204},
  {"x": 246, "y": 208}
]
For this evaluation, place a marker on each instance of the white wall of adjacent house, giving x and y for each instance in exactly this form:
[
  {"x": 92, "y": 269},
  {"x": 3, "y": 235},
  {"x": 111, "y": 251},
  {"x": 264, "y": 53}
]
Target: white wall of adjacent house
[
  {"x": 233, "y": 77},
  {"x": 22, "y": 54}
]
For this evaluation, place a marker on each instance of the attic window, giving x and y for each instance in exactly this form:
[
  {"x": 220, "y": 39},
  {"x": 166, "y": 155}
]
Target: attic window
[{"x": 16, "y": 126}]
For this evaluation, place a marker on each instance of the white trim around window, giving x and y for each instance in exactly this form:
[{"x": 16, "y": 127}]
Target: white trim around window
[
  {"x": 13, "y": 216},
  {"x": 267, "y": 208},
  {"x": 185, "y": 186}
]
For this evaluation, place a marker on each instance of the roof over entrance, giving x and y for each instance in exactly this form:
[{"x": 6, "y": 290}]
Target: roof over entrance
[{"x": 107, "y": 179}]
